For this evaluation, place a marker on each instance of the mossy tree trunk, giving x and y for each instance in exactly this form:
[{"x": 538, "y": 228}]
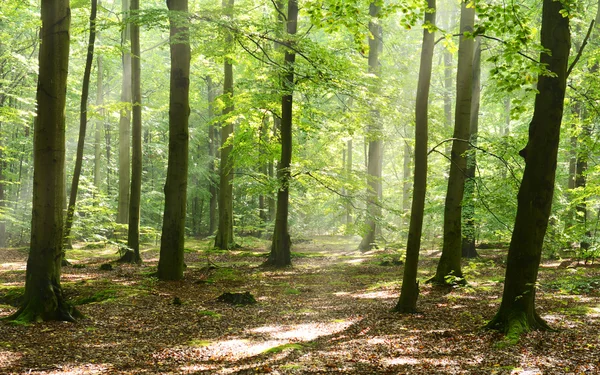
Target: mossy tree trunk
[
  {"x": 224, "y": 237},
  {"x": 374, "y": 137},
  {"x": 468, "y": 239},
  {"x": 449, "y": 269},
  {"x": 85, "y": 90},
  {"x": 170, "y": 264},
  {"x": 410, "y": 288},
  {"x": 280, "y": 255},
  {"x": 43, "y": 299},
  {"x": 132, "y": 255},
  {"x": 125, "y": 122},
  {"x": 517, "y": 312}
]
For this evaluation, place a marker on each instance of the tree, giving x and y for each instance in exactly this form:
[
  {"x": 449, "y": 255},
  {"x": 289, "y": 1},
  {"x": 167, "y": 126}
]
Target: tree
[
  {"x": 43, "y": 299},
  {"x": 170, "y": 265},
  {"x": 448, "y": 269},
  {"x": 224, "y": 236},
  {"x": 517, "y": 312},
  {"x": 212, "y": 154},
  {"x": 374, "y": 136},
  {"x": 125, "y": 120},
  {"x": 85, "y": 90},
  {"x": 468, "y": 240},
  {"x": 280, "y": 255},
  {"x": 410, "y": 288},
  {"x": 133, "y": 233}
]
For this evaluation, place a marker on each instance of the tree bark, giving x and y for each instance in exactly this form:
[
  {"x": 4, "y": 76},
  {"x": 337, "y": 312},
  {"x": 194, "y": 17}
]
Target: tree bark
[
  {"x": 212, "y": 153},
  {"x": 224, "y": 237},
  {"x": 170, "y": 264},
  {"x": 375, "y": 138},
  {"x": 350, "y": 154},
  {"x": 125, "y": 122},
  {"x": 43, "y": 299},
  {"x": 132, "y": 255},
  {"x": 99, "y": 125},
  {"x": 448, "y": 269},
  {"x": 517, "y": 312},
  {"x": 410, "y": 287},
  {"x": 85, "y": 90},
  {"x": 468, "y": 240},
  {"x": 280, "y": 255}
]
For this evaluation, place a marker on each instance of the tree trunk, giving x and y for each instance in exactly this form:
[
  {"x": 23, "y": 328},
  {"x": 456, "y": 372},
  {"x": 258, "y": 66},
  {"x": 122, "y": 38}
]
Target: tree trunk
[
  {"x": 280, "y": 255},
  {"x": 125, "y": 122},
  {"x": 349, "y": 148},
  {"x": 85, "y": 90},
  {"x": 375, "y": 138},
  {"x": 43, "y": 299},
  {"x": 212, "y": 153},
  {"x": 99, "y": 125},
  {"x": 406, "y": 206},
  {"x": 224, "y": 236},
  {"x": 517, "y": 311},
  {"x": 132, "y": 255},
  {"x": 170, "y": 264},
  {"x": 448, "y": 269},
  {"x": 468, "y": 240},
  {"x": 2, "y": 201},
  {"x": 410, "y": 287}
]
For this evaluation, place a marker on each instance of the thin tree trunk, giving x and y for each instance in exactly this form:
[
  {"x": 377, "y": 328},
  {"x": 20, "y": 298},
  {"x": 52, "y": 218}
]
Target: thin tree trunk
[
  {"x": 43, "y": 299},
  {"x": 468, "y": 240},
  {"x": 448, "y": 269},
  {"x": 224, "y": 237},
  {"x": 85, "y": 90},
  {"x": 280, "y": 255},
  {"x": 170, "y": 264},
  {"x": 517, "y": 312},
  {"x": 410, "y": 287},
  {"x": 125, "y": 122},
  {"x": 132, "y": 255},
  {"x": 99, "y": 125},
  {"x": 212, "y": 153},
  {"x": 375, "y": 139},
  {"x": 2, "y": 201},
  {"x": 406, "y": 185},
  {"x": 350, "y": 152}
]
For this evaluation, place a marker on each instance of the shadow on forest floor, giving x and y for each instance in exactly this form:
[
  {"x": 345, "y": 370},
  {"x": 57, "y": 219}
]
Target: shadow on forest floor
[{"x": 329, "y": 313}]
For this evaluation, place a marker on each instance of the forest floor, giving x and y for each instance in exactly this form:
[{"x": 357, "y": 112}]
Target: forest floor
[{"x": 329, "y": 313}]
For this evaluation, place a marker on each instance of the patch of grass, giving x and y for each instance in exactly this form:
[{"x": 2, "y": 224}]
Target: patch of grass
[
  {"x": 291, "y": 291},
  {"x": 253, "y": 254},
  {"x": 11, "y": 296},
  {"x": 575, "y": 284},
  {"x": 577, "y": 310},
  {"x": 226, "y": 274},
  {"x": 94, "y": 245},
  {"x": 385, "y": 285},
  {"x": 209, "y": 313},
  {"x": 291, "y": 366},
  {"x": 196, "y": 343},
  {"x": 101, "y": 296},
  {"x": 280, "y": 348}
]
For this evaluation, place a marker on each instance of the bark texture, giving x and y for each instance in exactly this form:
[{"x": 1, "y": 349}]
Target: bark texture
[
  {"x": 224, "y": 237},
  {"x": 410, "y": 288},
  {"x": 43, "y": 298},
  {"x": 517, "y": 312},
  {"x": 85, "y": 91},
  {"x": 280, "y": 255},
  {"x": 132, "y": 255},
  {"x": 170, "y": 264},
  {"x": 375, "y": 138},
  {"x": 448, "y": 269}
]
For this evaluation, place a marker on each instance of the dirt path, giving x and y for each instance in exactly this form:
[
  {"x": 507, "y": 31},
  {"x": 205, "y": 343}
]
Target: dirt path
[{"x": 330, "y": 313}]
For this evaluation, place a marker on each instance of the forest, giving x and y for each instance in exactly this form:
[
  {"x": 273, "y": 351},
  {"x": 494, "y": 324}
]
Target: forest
[{"x": 299, "y": 187}]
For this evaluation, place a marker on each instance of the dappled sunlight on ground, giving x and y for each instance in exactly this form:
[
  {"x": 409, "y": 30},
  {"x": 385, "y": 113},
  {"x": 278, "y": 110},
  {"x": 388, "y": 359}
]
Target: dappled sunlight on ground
[
  {"x": 302, "y": 332},
  {"x": 381, "y": 294}
]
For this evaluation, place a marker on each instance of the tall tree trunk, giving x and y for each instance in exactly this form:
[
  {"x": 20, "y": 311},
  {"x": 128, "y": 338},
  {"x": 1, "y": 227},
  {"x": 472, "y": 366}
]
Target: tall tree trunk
[
  {"x": 280, "y": 255},
  {"x": 99, "y": 125},
  {"x": 43, "y": 299},
  {"x": 448, "y": 269},
  {"x": 85, "y": 90},
  {"x": 468, "y": 240},
  {"x": 224, "y": 236},
  {"x": 375, "y": 137},
  {"x": 212, "y": 153},
  {"x": 2, "y": 201},
  {"x": 406, "y": 180},
  {"x": 125, "y": 122},
  {"x": 263, "y": 168},
  {"x": 170, "y": 264},
  {"x": 350, "y": 152},
  {"x": 132, "y": 255},
  {"x": 410, "y": 287},
  {"x": 517, "y": 312}
]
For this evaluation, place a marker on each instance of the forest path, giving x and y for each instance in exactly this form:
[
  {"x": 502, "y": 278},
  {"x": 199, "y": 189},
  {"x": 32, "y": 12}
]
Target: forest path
[{"x": 329, "y": 313}]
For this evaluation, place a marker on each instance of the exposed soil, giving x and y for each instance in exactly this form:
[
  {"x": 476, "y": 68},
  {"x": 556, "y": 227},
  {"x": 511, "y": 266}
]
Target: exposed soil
[{"x": 329, "y": 313}]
